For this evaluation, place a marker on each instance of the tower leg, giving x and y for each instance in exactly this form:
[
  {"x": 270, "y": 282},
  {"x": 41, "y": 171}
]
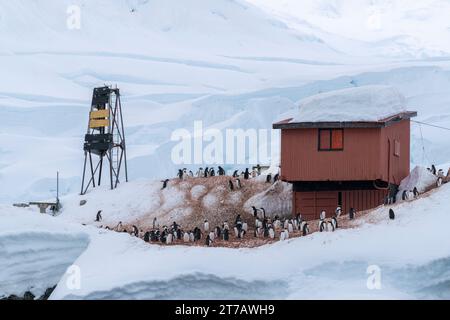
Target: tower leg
[
  {"x": 84, "y": 174},
  {"x": 92, "y": 169},
  {"x": 101, "y": 169}
]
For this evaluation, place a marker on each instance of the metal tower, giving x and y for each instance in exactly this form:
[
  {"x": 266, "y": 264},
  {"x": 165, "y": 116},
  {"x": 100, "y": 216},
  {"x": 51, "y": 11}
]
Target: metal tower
[{"x": 105, "y": 138}]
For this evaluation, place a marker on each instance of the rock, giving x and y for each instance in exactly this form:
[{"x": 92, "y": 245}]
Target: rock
[{"x": 83, "y": 202}]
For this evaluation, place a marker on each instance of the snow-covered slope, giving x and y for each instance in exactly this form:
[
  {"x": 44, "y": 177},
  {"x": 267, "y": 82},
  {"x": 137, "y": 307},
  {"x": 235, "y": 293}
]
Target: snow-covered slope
[{"x": 323, "y": 265}]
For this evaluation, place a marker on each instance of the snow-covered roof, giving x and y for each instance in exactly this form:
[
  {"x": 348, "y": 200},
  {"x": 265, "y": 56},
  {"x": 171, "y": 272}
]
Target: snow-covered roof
[{"x": 374, "y": 103}]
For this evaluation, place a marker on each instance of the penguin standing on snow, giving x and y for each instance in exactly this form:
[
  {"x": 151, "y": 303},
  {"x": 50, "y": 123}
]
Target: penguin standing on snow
[
  {"x": 208, "y": 241},
  {"x": 99, "y": 217},
  {"x": 282, "y": 236},
  {"x": 416, "y": 193},
  {"x": 322, "y": 225},
  {"x": 231, "y": 185},
  {"x": 352, "y": 214},
  {"x": 226, "y": 235},
  {"x": 334, "y": 222},
  {"x": 305, "y": 229},
  {"x": 405, "y": 195},
  {"x": 246, "y": 174},
  {"x": 290, "y": 227},
  {"x": 271, "y": 233},
  {"x": 391, "y": 214},
  {"x": 135, "y": 231},
  {"x": 238, "y": 184},
  {"x": 433, "y": 169},
  {"x": 330, "y": 226},
  {"x": 165, "y": 183}
]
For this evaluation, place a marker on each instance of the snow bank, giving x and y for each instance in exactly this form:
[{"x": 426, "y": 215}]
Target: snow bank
[
  {"x": 420, "y": 178},
  {"x": 35, "y": 251},
  {"x": 276, "y": 200},
  {"x": 367, "y": 103}
]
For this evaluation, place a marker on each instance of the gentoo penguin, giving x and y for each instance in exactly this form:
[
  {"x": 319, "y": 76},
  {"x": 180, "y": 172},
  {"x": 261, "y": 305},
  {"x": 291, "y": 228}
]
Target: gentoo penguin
[
  {"x": 391, "y": 214},
  {"x": 212, "y": 236},
  {"x": 352, "y": 214},
  {"x": 226, "y": 234},
  {"x": 258, "y": 223},
  {"x": 416, "y": 192},
  {"x": 191, "y": 237},
  {"x": 322, "y": 225},
  {"x": 186, "y": 237},
  {"x": 282, "y": 236},
  {"x": 433, "y": 169},
  {"x": 254, "y": 173},
  {"x": 286, "y": 224},
  {"x": 119, "y": 227},
  {"x": 305, "y": 229},
  {"x": 208, "y": 241},
  {"x": 206, "y": 226},
  {"x": 286, "y": 233},
  {"x": 323, "y": 215},
  {"x": 135, "y": 231},
  {"x": 217, "y": 233},
  {"x": 440, "y": 173},
  {"x": 246, "y": 174},
  {"x": 295, "y": 223},
  {"x": 238, "y": 184},
  {"x": 255, "y": 211},
  {"x": 226, "y": 226},
  {"x": 98, "y": 218},
  {"x": 185, "y": 174},
  {"x": 191, "y": 174},
  {"x": 236, "y": 174},
  {"x": 147, "y": 237},
  {"x": 206, "y": 173},
  {"x": 271, "y": 233},
  {"x": 277, "y": 224},
  {"x": 338, "y": 212},
  {"x": 439, "y": 182},
  {"x": 221, "y": 171},
  {"x": 242, "y": 233},
  {"x": 290, "y": 227},
  {"x": 180, "y": 174},
  {"x": 230, "y": 185},
  {"x": 269, "y": 178},
  {"x": 264, "y": 212},
  {"x": 330, "y": 226},
  {"x": 334, "y": 222},
  {"x": 404, "y": 195},
  {"x": 165, "y": 183},
  {"x": 212, "y": 172},
  {"x": 169, "y": 238},
  {"x": 236, "y": 232},
  {"x": 245, "y": 226},
  {"x": 200, "y": 173},
  {"x": 276, "y": 177}
]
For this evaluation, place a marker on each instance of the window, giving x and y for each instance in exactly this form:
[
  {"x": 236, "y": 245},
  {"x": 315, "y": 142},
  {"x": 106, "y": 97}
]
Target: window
[
  {"x": 397, "y": 148},
  {"x": 331, "y": 139}
]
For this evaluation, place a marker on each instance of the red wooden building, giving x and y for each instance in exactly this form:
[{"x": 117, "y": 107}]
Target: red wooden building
[{"x": 347, "y": 148}]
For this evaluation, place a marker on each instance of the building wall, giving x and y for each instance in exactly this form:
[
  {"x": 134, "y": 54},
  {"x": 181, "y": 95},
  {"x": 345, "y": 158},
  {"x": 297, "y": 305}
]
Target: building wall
[
  {"x": 301, "y": 160},
  {"x": 395, "y": 168},
  {"x": 365, "y": 156},
  {"x": 310, "y": 204}
]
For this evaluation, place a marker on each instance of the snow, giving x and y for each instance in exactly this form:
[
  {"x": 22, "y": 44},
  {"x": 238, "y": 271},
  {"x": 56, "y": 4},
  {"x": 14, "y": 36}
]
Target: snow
[
  {"x": 365, "y": 103},
  {"x": 118, "y": 266},
  {"x": 420, "y": 178}
]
